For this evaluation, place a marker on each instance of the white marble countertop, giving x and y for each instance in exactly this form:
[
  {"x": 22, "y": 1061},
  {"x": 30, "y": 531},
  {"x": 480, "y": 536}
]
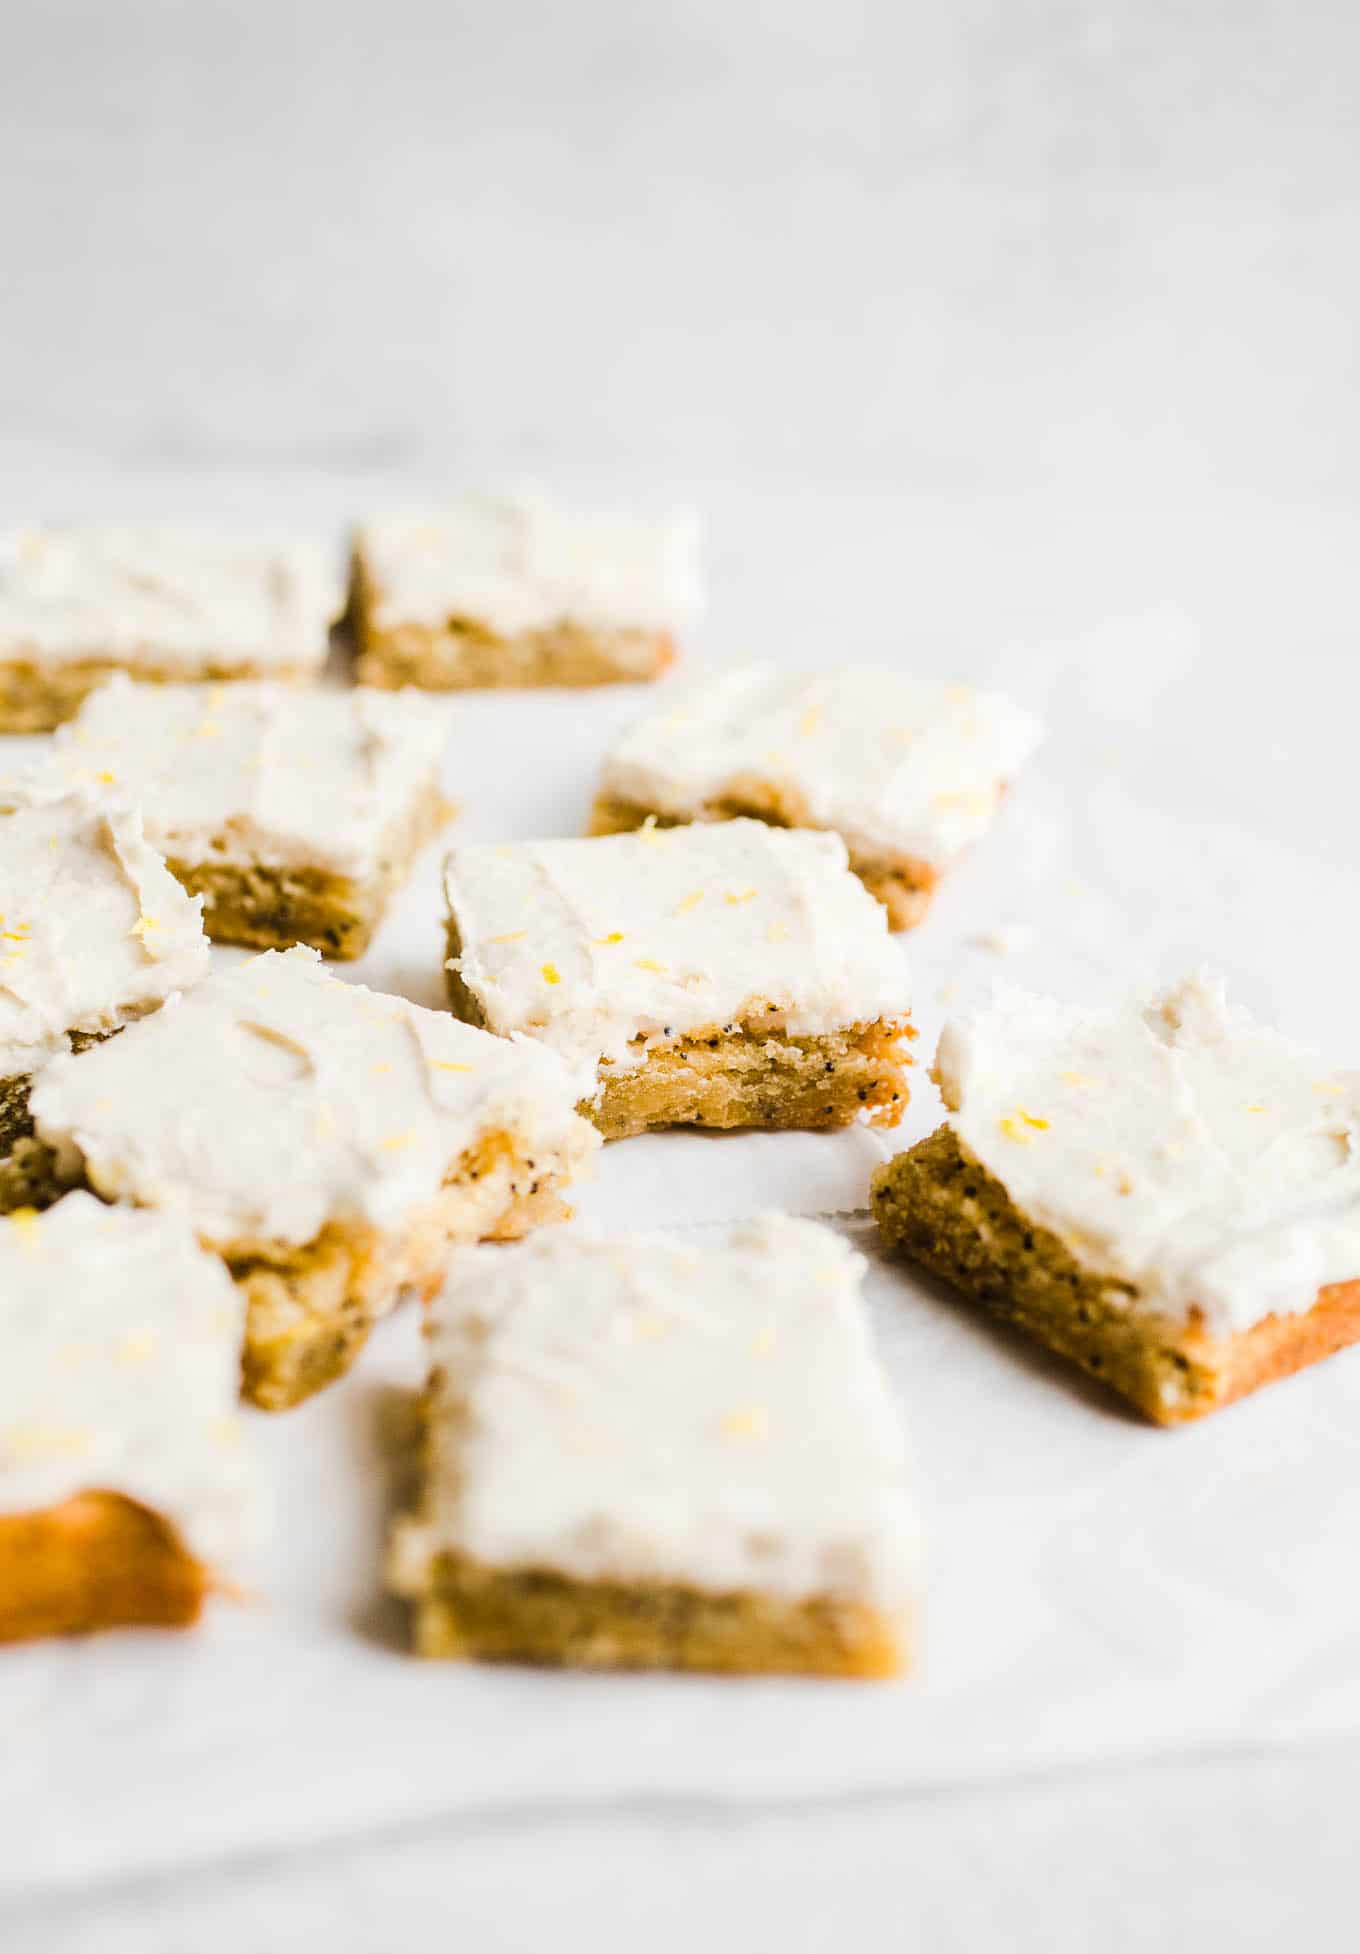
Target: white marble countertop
[{"x": 1013, "y": 339}]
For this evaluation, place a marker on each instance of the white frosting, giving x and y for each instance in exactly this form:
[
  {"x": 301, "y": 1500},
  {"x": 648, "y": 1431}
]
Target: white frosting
[
  {"x": 167, "y": 595},
  {"x": 94, "y": 930},
  {"x": 261, "y": 772},
  {"x": 521, "y": 564},
  {"x": 899, "y": 766},
  {"x": 652, "y": 1408},
  {"x": 1171, "y": 1141},
  {"x": 275, "y": 1097},
  {"x": 589, "y": 945},
  {"x": 122, "y": 1365}
]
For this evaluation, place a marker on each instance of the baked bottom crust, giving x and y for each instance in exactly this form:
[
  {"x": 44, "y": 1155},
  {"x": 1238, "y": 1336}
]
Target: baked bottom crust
[
  {"x": 903, "y": 884},
  {"x": 937, "y": 1205},
  {"x": 464, "y": 652},
  {"x": 38, "y": 694},
  {"x": 310, "y": 1308},
  {"x": 269, "y": 908},
  {"x": 471, "y": 1611},
  {"x": 14, "y": 1119},
  {"x": 98, "y": 1560}
]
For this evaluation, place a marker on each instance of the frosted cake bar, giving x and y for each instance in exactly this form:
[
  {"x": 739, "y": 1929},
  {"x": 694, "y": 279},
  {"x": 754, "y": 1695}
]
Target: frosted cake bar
[
  {"x": 907, "y": 771},
  {"x": 329, "y": 1142},
  {"x": 515, "y": 591},
  {"x": 294, "y": 813},
  {"x": 1163, "y": 1190},
  {"x": 725, "y": 976},
  {"x": 160, "y": 601},
  {"x": 662, "y": 1452},
  {"x": 93, "y": 932},
  {"x": 125, "y": 1489}
]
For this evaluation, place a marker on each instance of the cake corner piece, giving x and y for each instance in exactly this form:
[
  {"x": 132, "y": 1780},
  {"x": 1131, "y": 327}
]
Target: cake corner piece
[{"x": 1059, "y": 1194}]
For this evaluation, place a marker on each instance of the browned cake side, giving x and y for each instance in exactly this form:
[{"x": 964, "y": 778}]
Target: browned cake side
[
  {"x": 36, "y": 694},
  {"x": 937, "y": 1205},
  {"x": 96, "y": 1561}
]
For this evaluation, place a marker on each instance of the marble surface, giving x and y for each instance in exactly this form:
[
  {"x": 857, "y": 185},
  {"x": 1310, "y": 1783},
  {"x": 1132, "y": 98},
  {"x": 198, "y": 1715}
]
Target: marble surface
[{"x": 1016, "y": 337}]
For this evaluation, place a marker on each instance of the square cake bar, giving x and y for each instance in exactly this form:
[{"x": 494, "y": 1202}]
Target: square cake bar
[
  {"x": 655, "y": 1451},
  {"x": 93, "y": 933},
  {"x": 906, "y": 770},
  {"x": 159, "y": 601},
  {"x": 125, "y": 1490},
  {"x": 513, "y": 591},
  {"x": 294, "y": 813},
  {"x": 327, "y": 1141},
  {"x": 1164, "y": 1191},
  {"x": 725, "y": 976}
]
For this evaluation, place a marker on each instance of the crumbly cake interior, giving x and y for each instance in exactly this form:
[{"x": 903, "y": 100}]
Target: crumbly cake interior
[
  {"x": 309, "y": 1309},
  {"x": 95, "y": 1561},
  {"x": 266, "y": 907},
  {"x": 937, "y": 1205},
  {"x": 904, "y": 885},
  {"x": 532, "y": 1615},
  {"x": 36, "y": 696},
  {"x": 741, "y": 1075},
  {"x": 462, "y": 654}
]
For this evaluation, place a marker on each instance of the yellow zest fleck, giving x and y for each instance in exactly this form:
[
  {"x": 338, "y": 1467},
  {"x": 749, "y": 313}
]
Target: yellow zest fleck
[
  {"x": 105, "y": 779},
  {"x": 325, "y": 1123},
  {"x": 1077, "y": 1079},
  {"x": 1021, "y": 1126},
  {"x": 752, "y": 1423},
  {"x": 741, "y": 895},
  {"x": 46, "y": 1441},
  {"x": 208, "y": 730},
  {"x": 450, "y": 1065},
  {"x": 1256, "y": 1107},
  {"x": 649, "y": 963},
  {"x": 1329, "y": 1088},
  {"x": 810, "y": 721},
  {"x": 1125, "y": 1184},
  {"x": 651, "y": 1326},
  {"x": 762, "y": 1343},
  {"x": 398, "y": 1142},
  {"x": 381, "y": 1067},
  {"x": 691, "y": 901},
  {"x": 19, "y": 934},
  {"x": 777, "y": 933},
  {"x": 146, "y": 926},
  {"x": 551, "y": 974},
  {"x": 227, "y": 1431},
  {"x": 139, "y": 1348},
  {"x": 511, "y": 936},
  {"x": 614, "y": 936}
]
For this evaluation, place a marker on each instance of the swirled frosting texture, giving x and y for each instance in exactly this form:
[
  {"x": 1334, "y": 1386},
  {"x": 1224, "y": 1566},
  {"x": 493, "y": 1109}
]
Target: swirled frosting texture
[
  {"x": 260, "y": 772},
  {"x": 122, "y": 1366},
  {"x": 1172, "y": 1141},
  {"x": 899, "y": 766},
  {"x": 94, "y": 930},
  {"x": 656, "y": 1408},
  {"x": 593, "y": 945},
  {"x": 275, "y": 1097},
  {"x": 166, "y": 594},
  {"x": 519, "y": 563}
]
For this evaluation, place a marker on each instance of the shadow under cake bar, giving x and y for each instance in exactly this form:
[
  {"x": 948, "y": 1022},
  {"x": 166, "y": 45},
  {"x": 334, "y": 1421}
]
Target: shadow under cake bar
[
  {"x": 329, "y": 1142},
  {"x": 125, "y": 1490},
  {"x": 160, "y": 601},
  {"x": 1164, "y": 1190},
  {"x": 294, "y": 812},
  {"x": 94, "y": 932},
  {"x": 723, "y": 976},
  {"x": 659, "y": 1451},
  {"x": 907, "y": 771},
  {"x": 493, "y": 591}
]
